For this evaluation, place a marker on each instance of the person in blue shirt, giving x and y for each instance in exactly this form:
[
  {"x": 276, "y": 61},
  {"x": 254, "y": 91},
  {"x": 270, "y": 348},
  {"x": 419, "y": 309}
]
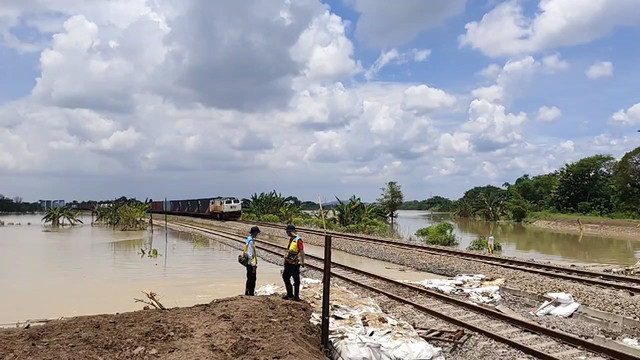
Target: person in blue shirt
[{"x": 252, "y": 264}]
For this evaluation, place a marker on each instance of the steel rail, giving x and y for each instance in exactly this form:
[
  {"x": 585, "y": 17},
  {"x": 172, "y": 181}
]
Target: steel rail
[
  {"x": 579, "y": 275},
  {"x": 520, "y": 323}
]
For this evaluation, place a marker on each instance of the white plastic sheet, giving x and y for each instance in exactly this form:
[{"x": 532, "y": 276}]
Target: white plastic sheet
[{"x": 561, "y": 305}]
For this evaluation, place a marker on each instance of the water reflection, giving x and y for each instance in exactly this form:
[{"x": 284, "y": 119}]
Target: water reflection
[{"x": 531, "y": 242}]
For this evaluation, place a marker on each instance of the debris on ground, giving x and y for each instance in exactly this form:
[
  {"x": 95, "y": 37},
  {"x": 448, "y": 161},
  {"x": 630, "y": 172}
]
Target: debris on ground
[
  {"x": 455, "y": 337},
  {"x": 359, "y": 329},
  {"x": 474, "y": 287},
  {"x": 634, "y": 343},
  {"x": 626, "y": 270},
  {"x": 242, "y": 327},
  {"x": 558, "y": 304}
]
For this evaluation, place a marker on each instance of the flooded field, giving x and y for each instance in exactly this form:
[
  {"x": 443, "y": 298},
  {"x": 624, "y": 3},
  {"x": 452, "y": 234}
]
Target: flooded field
[
  {"x": 48, "y": 273},
  {"x": 530, "y": 242}
]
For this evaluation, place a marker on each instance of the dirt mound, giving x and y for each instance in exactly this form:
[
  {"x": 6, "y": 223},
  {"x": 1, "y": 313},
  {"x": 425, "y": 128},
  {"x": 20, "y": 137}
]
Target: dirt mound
[{"x": 261, "y": 327}]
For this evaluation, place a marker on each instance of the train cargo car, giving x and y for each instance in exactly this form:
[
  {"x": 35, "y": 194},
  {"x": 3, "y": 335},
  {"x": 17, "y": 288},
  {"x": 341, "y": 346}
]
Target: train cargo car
[
  {"x": 157, "y": 206},
  {"x": 227, "y": 208}
]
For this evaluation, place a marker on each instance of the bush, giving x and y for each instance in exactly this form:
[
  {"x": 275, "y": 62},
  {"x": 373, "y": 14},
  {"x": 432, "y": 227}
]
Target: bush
[
  {"x": 270, "y": 218},
  {"x": 585, "y": 207},
  {"x": 298, "y": 221},
  {"x": 441, "y": 234},
  {"x": 248, "y": 217},
  {"x": 518, "y": 213},
  {"x": 481, "y": 243}
]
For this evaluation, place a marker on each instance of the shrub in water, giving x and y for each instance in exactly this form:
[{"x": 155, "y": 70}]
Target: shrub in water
[
  {"x": 441, "y": 234},
  {"x": 481, "y": 243}
]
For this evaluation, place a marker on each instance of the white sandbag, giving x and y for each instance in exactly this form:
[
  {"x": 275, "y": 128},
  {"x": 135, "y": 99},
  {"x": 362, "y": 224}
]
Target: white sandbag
[
  {"x": 634, "y": 343},
  {"x": 561, "y": 305}
]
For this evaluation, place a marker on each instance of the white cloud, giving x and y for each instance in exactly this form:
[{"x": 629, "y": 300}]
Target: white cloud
[
  {"x": 553, "y": 63},
  {"x": 547, "y": 114},
  {"x": 505, "y": 30},
  {"x": 510, "y": 80},
  {"x": 491, "y": 71},
  {"x": 393, "y": 56},
  {"x": 491, "y": 127},
  {"x": 420, "y": 55},
  {"x": 629, "y": 117},
  {"x": 423, "y": 98},
  {"x": 325, "y": 50},
  {"x": 600, "y": 69},
  {"x": 454, "y": 144},
  {"x": 384, "y": 24},
  {"x": 385, "y": 58}
]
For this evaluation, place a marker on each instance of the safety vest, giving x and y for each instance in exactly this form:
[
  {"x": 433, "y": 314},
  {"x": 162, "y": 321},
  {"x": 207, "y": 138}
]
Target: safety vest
[
  {"x": 246, "y": 250},
  {"x": 293, "y": 252}
]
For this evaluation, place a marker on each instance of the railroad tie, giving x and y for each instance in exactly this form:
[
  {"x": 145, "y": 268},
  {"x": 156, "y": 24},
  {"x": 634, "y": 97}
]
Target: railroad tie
[
  {"x": 508, "y": 331},
  {"x": 468, "y": 316},
  {"x": 525, "y": 338},
  {"x": 568, "y": 353},
  {"x": 544, "y": 344}
]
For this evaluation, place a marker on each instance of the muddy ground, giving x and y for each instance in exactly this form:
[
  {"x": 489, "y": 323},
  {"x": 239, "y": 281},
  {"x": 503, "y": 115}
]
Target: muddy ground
[{"x": 234, "y": 328}]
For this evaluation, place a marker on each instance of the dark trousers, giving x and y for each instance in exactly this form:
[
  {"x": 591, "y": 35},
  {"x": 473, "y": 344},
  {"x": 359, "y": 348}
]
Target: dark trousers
[
  {"x": 292, "y": 270},
  {"x": 250, "y": 287}
]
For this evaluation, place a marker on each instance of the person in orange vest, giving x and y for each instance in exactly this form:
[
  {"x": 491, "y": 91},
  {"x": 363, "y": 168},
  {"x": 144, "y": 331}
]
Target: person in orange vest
[
  {"x": 292, "y": 262},
  {"x": 252, "y": 263}
]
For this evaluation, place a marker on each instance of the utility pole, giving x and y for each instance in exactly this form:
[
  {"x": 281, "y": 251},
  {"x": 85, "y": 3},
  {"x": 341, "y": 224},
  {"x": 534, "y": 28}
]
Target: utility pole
[{"x": 326, "y": 289}]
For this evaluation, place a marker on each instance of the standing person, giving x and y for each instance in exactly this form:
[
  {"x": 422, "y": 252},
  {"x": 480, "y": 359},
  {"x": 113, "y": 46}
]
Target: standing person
[
  {"x": 252, "y": 264},
  {"x": 292, "y": 261}
]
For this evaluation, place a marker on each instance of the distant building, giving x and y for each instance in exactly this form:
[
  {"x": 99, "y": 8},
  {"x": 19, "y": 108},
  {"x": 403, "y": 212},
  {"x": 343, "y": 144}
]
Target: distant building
[{"x": 51, "y": 204}]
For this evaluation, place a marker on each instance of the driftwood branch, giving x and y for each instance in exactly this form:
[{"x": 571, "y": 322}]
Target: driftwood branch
[{"x": 153, "y": 300}]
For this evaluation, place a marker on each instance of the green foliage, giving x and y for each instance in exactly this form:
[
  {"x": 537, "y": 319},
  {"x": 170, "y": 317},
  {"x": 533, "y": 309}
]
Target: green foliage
[
  {"x": 199, "y": 240},
  {"x": 57, "y": 217},
  {"x": 626, "y": 180},
  {"x": 356, "y": 213},
  {"x": 482, "y": 243},
  {"x": 270, "y": 218},
  {"x": 273, "y": 204},
  {"x": 391, "y": 199},
  {"x": 436, "y": 203},
  {"x": 587, "y": 180},
  {"x": 248, "y": 217},
  {"x": 16, "y": 205},
  {"x": 126, "y": 215},
  {"x": 440, "y": 234}
]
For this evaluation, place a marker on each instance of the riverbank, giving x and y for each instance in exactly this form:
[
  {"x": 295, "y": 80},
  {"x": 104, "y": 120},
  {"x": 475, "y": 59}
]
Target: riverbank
[
  {"x": 587, "y": 225},
  {"x": 240, "y": 327}
]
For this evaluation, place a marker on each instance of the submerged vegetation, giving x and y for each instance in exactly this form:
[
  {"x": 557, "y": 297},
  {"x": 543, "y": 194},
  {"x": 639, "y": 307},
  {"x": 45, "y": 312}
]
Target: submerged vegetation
[
  {"x": 482, "y": 243},
  {"x": 440, "y": 234},
  {"x": 57, "y": 217},
  {"x": 124, "y": 215}
]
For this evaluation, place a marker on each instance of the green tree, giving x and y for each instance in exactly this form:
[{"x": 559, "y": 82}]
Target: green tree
[
  {"x": 440, "y": 234},
  {"x": 626, "y": 179},
  {"x": 588, "y": 180},
  {"x": 391, "y": 199}
]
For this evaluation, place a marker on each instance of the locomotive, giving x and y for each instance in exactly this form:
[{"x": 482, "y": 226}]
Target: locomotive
[{"x": 223, "y": 208}]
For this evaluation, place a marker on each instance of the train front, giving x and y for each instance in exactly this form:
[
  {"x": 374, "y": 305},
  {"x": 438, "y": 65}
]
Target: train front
[{"x": 232, "y": 209}]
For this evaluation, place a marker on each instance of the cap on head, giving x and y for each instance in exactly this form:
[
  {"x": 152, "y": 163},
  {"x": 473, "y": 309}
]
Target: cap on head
[
  {"x": 291, "y": 228},
  {"x": 254, "y": 230}
]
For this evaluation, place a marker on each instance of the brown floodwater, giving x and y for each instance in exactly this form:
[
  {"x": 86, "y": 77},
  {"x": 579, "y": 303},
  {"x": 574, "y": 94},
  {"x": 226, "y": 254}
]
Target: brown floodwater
[
  {"x": 47, "y": 273},
  {"x": 82, "y": 270},
  {"x": 530, "y": 242}
]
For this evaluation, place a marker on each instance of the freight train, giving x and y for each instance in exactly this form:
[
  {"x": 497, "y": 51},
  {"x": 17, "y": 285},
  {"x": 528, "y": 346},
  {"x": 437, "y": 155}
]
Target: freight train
[{"x": 225, "y": 208}]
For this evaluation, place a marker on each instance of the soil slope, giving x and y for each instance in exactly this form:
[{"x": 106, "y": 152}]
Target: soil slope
[{"x": 234, "y": 328}]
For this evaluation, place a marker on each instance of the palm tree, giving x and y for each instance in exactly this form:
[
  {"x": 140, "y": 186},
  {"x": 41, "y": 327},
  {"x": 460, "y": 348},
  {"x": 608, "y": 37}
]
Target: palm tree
[{"x": 492, "y": 206}]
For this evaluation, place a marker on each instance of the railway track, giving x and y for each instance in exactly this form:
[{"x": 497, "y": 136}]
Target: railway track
[
  {"x": 529, "y": 337},
  {"x": 619, "y": 282}
]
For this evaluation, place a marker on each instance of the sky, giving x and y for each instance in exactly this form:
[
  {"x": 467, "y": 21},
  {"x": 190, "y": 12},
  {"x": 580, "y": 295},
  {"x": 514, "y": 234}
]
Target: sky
[{"x": 193, "y": 98}]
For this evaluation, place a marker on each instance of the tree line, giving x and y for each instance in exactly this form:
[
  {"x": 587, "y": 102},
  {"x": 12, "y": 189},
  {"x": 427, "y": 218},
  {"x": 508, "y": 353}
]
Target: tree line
[
  {"x": 596, "y": 185},
  {"x": 16, "y": 205}
]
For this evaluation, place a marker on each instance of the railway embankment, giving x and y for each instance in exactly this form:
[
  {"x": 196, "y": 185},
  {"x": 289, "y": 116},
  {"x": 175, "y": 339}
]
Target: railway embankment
[
  {"x": 234, "y": 328},
  {"x": 587, "y": 225},
  {"x": 575, "y": 325}
]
